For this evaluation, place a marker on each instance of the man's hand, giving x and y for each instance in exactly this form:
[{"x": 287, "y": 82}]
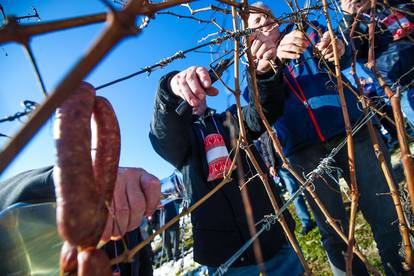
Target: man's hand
[
  {"x": 326, "y": 49},
  {"x": 263, "y": 50},
  {"x": 292, "y": 45},
  {"x": 353, "y": 6},
  {"x": 136, "y": 193},
  {"x": 192, "y": 85}
]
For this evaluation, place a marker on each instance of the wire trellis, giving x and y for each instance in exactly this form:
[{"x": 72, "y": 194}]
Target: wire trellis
[{"x": 123, "y": 25}]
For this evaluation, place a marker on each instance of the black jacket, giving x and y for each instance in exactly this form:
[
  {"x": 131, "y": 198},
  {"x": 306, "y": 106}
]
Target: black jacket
[{"x": 219, "y": 224}]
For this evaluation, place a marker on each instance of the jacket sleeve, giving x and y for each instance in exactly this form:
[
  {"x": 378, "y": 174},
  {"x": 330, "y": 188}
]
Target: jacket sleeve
[
  {"x": 360, "y": 35},
  {"x": 34, "y": 186},
  {"x": 170, "y": 132},
  {"x": 271, "y": 94}
]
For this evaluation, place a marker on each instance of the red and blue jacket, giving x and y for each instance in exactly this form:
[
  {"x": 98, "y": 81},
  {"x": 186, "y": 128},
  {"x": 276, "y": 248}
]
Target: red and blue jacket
[
  {"x": 312, "y": 108},
  {"x": 394, "y": 34}
]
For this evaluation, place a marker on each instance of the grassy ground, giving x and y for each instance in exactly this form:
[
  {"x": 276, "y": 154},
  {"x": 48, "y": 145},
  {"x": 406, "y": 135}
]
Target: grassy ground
[
  {"x": 316, "y": 257},
  {"x": 312, "y": 247}
]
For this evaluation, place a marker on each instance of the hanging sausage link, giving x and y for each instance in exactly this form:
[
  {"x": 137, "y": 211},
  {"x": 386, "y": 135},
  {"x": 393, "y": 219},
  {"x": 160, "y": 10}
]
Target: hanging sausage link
[{"x": 87, "y": 138}]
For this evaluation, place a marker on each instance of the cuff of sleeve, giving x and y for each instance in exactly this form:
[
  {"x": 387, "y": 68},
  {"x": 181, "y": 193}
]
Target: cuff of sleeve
[
  {"x": 270, "y": 75},
  {"x": 166, "y": 95}
]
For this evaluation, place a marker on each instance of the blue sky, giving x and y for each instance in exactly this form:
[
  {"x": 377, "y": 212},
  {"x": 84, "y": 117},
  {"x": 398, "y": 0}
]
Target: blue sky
[{"x": 57, "y": 52}]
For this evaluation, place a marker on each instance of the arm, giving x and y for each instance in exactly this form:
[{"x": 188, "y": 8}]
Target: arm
[
  {"x": 167, "y": 126},
  {"x": 360, "y": 40},
  {"x": 137, "y": 193},
  {"x": 272, "y": 95},
  {"x": 34, "y": 186},
  {"x": 269, "y": 85},
  {"x": 170, "y": 132}
]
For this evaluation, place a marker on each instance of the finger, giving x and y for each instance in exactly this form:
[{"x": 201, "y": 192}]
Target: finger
[
  {"x": 263, "y": 66},
  {"x": 324, "y": 42},
  {"x": 296, "y": 33},
  {"x": 326, "y": 50},
  {"x": 341, "y": 52},
  {"x": 204, "y": 77},
  {"x": 293, "y": 41},
  {"x": 299, "y": 37},
  {"x": 263, "y": 48},
  {"x": 194, "y": 84},
  {"x": 302, "y": 44},
  {"x": 136, "y": 202},
  {"x": 212, "y": 91},
  {"x": 293, "y": 49},
  {"x": 186, "y": 93},
  {"x": 121, "y": 208},
  {"x": 341, "y": 47},
  {"x": 287, "y": 55},
  {"x": 270, "y": 54},
  {"x": 255, "y": 47},
  {"x": 329, "y": 56},
  {"x": 151, "y": 187}
]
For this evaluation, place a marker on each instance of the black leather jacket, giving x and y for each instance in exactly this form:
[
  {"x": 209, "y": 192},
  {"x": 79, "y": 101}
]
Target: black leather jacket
[{"x": 219, "y": 224}]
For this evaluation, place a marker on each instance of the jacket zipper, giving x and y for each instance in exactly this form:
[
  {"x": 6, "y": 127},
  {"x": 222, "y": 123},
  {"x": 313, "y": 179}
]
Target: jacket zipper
[{"x": 302, "y": 98}]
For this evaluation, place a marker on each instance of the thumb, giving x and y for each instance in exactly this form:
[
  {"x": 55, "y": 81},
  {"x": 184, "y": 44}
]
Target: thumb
[
  {"x": 212, "y": 91},
  {"x": 152, "y": 191}
]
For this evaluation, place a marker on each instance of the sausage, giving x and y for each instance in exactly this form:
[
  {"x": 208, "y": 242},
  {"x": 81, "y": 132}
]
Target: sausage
[
  {"x": 93, "y": 262},
  {"x": 68, "y": 258},
  {"x": 81, "y": 213},
  {"x": 106, "y": 145}
]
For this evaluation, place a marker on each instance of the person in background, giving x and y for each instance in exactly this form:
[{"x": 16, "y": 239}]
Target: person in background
[
  {"x": 387, "y": 120},
  {"x": 394, "y": 47},
  {"x": 312, "y": 125},
  {"x": 171, "y": 237},
  {"x": 276, "y": 170}
]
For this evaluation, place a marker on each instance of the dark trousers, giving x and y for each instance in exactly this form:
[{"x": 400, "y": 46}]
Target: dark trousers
[{"x": 374, "y": 201}]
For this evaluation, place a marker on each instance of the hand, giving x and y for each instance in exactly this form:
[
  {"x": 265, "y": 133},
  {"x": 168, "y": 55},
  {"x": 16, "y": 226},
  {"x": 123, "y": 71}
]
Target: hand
[
  {"x": 272, "y": 171},
  {"x": 354, "y": 6},
  {"x": 136, "y": 193},
  {"x": 192, "y": 85},
  {"x": 292, "y": 45},
  {"x": 263, "y": 50},
  {"x": 326, "y": 49}
]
